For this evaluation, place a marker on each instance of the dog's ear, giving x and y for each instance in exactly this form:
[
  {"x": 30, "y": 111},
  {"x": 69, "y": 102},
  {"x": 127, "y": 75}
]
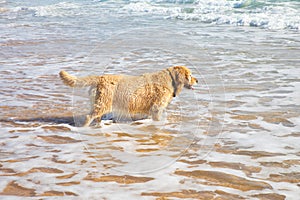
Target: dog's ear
[
  {"x": 178, "y": 75},
  {"x": 182, "y": 73}
]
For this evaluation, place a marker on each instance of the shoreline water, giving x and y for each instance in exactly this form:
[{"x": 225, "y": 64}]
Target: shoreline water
[{"x": 245, "y": 110}]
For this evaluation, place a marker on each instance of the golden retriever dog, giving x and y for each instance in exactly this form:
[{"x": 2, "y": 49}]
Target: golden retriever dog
[{"x": 145, "y": 95}]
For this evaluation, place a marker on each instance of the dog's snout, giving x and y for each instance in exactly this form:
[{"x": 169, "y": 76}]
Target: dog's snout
[{"x": 194, "y": 80}]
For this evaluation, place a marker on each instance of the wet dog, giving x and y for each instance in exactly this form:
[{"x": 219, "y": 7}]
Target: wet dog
[{"x": 145, "y": 95}]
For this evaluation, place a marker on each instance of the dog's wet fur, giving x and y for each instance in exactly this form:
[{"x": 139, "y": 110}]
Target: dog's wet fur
[{"x": 139, "y": 96}]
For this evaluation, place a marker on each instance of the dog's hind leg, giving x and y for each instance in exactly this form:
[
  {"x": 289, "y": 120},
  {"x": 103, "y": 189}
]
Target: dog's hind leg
[
  {"x": 99, "y": 109},
  {"x": 102, "y": 97},
  {"x": 89, "y": 120},
  {"x": 95, "y": 115}
]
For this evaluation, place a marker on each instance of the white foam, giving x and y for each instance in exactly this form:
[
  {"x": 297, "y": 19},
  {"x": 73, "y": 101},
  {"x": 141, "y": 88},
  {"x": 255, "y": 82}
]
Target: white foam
[
  {"x": 59, "y": 9},
  {"x": 224, "y": 12},
  {"x": 51, "y": 10}
]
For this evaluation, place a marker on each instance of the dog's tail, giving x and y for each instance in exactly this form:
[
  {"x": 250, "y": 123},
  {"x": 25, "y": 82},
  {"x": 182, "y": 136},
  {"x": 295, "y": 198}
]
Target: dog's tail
[{"x": 74, "y": 81}]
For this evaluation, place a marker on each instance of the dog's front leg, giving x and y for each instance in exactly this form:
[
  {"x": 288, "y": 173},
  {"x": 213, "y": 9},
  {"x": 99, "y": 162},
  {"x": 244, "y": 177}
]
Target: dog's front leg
[{"x": 156, "y": 112}]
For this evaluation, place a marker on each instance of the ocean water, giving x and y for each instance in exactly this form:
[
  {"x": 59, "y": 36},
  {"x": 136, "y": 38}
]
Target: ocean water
[{"x": 236, "y": 136}]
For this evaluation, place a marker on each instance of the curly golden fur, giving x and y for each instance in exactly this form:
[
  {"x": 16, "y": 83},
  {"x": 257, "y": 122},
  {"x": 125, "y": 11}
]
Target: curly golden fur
[{"x": 148, "y": 94}]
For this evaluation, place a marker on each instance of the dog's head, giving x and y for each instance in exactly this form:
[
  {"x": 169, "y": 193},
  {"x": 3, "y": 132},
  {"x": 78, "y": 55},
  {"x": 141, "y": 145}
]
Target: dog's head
[{"x": 184, "y": 77}]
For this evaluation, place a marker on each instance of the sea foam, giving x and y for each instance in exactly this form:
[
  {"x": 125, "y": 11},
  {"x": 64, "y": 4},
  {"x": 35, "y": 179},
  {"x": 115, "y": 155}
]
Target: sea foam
[{"x": 239, "y": 13}]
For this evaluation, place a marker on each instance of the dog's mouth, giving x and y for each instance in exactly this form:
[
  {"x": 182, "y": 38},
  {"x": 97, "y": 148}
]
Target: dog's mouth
[
  {"x": 190, "y": 87},
  {"x": 192, "y": 81}
]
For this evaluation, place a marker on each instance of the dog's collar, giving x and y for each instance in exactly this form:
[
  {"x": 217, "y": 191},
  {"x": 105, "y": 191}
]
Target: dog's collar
[{"x": 173, "y": 83}]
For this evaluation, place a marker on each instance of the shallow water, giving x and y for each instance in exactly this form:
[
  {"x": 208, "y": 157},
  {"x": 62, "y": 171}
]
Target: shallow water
[{"x": 234, "y": 137}]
